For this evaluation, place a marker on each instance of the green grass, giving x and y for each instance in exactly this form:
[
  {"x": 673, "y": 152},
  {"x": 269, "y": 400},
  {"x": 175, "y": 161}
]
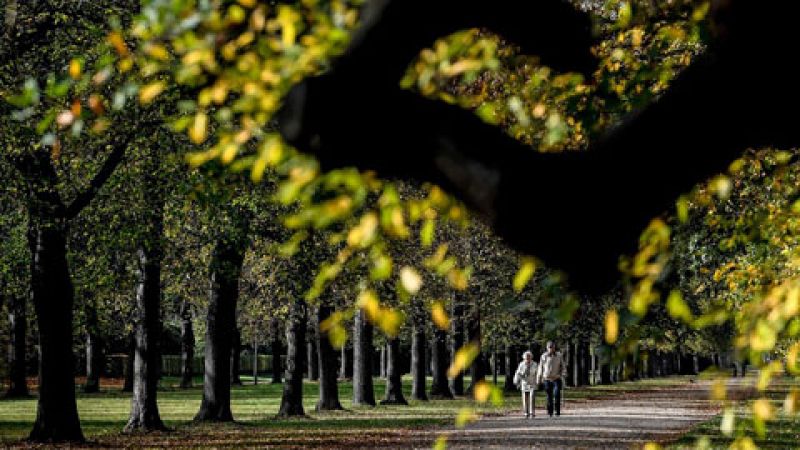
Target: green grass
[
  {"x": 781, "y": 433},
  {"x": 103, "y": 415}
]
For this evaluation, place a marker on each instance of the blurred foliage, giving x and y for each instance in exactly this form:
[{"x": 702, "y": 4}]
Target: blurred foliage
[{"x": 726, "y": 260}]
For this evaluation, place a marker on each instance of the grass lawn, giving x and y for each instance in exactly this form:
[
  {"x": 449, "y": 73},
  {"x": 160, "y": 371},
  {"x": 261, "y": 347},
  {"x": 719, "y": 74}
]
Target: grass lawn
[
  {"x": 103, "y": 415},
  {"x": 782, "y": 433}
]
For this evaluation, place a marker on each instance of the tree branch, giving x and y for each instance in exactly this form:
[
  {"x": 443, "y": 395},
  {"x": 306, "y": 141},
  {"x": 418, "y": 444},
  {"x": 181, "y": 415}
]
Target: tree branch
[{"x": 112, "y": 161}]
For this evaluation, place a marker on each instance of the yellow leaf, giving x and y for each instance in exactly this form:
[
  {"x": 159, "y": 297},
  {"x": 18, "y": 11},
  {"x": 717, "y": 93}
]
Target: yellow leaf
[
  {"x": 465, "y": 417},
  {"x": 481, "y": 391},
  {"x": 763, "y": 409},
  {"x": 199, "y": 128},
  {"x": 390, "y": 321},
  {"x": 116, "y": 40},
  {"x": 149, "y": 92},
  {"x": 463, "y": 358},
  {"x": 651, "y": 446},
  {"x": 728, "y": 422},
  {"x": 678, "y": 308},
  {"x": 441, "y": 443},
  {"x": 75, "y": 69},
  {"x": 439, "y": 315},
  {"x": 410, "y": 280},
  {"x": 792, "y": 356},
  {"x": 524, "y": 274},
  {"x": 612, "y": 326},
  {"x": 719, "y": 390}
]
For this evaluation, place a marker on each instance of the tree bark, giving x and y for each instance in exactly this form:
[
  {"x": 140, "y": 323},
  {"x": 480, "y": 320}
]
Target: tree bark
[
  {"x": 346, "y": 363},
  {"x": 328, "y": 383},
  {"x": 394, "y": 382},
  {"x": 187, "y": 345},
  {"x": 313, "y": 357},
  {"x": 127, "y": 385},
  {"x": 478, "y": 367},
  {"x": 383, "y": 364},
  {"x": 457, "y": 340},
  {"x": 93, "y": 349},
  {"x": 292, "y": 398},
  {"x": 511, "y": 367},
  {"x": 418, "y": 363},
  {"x": 52, "y": 292},
  {"x": 363, "y": 390},
  {"x": 236, "y": 351},
  {"x": 18, "y": 321},
  {"x": 144, "y": 404},
  {"x": 226, "y": 267},
  {"x": 440, "y": 360}
]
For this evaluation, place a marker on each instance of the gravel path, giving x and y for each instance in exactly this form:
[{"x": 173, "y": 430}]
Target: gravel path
[{"x": 625, "y": 421}]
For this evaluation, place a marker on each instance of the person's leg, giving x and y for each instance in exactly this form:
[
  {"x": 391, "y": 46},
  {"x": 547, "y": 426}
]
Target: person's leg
[
  {"x": 557, "y": 394},
  {"x": 548, "y": 387},
  {"x": 525, "y": 408}
]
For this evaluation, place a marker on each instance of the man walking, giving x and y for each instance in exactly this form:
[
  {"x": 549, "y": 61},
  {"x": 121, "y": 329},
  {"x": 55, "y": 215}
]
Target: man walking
[{"x": 551, "y": 372}]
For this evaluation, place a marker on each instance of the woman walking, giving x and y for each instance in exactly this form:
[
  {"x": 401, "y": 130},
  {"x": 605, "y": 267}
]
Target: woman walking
[{"x": 525, "y": 380}]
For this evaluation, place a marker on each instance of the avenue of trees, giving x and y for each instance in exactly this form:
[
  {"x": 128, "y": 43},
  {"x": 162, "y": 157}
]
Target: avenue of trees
[{"x": 153, "y": 204}]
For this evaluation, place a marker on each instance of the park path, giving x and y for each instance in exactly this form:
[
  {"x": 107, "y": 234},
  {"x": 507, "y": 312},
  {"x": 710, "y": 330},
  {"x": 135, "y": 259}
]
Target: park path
[{"x": 628, "y": 420}]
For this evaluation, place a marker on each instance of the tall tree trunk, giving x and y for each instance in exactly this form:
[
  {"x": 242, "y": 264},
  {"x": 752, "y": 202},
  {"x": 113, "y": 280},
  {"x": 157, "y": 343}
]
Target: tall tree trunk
[
  {"x": 478, "y": 367},
  {"x": 187, "y": 345},
  {"x": 585, "y": 363},
  {"x": 226, "y": 267},
  {"x": 277, "y": 348},
  {"x": 346, "y": 363},
  {"x": 292, "y": 398},
  {"x": 18, "y": 321},
  {"x": 363, "y": 390},
  {"x": 236, "y": 351},
  {"x": 313, "y": 357},
  {"x": 52, "y": 293},
  {"x": 576, "y": 363},
  {"x": 394, "y": 381},
  {"x": 127, "y": 385},
  {"x": 144, "y": 405},
  {"x": 383, "y": 363},
  {"x": 511, "y": 366},
  {"x": 440, "y": 360},
  {"x": 418, "y": 363},
  {"x": 457, "y": 340},
  {"x": 93, "y": 349},
  {"x": 328, "y": 384}
]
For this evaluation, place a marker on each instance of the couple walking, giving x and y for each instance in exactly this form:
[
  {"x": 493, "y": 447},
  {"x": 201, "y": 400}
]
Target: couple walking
[{"x": 550, "y": 371}]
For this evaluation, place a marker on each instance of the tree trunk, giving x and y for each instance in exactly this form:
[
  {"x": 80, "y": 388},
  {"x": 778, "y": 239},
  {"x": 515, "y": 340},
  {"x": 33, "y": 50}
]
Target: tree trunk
[
  {"x": 440, "y": 360},
  {"x": 127, "y": 385},
  {"x": 585, "y": 363},
  {"x": 144, "y": 405},
  {"x": 363, "y": 390},
  {"x": 418, "y": 363},
  {"x": 277, "y": 348},
  {"x": 478, "y": 368},
  {"x": 328, "y": 383},
  {"x": 605, "y": 372},
  {"x": 313, "y": 357},
  {"x": 383, "y": 361},
  {"x": 576, "y": 365},
  {"x": 457, "y": 383},
  {"x": 292, "y": 398},
  {"x": 394, "y": 382},
  {"x": 346, "y": 363},
  {"x": 187, "y": 345},
  {"x": 511, "y": 367},
  {"x": 93, "y": 350},
  {"x": 18, "y": 322},
  {"x": 236, "y": 351},
  {"x": 52, "y": 293},
  {"x": 226, "y": 267}
]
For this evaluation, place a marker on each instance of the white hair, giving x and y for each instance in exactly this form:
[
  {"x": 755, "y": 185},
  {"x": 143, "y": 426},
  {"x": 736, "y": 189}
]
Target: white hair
[{"x": 526, "y": 354}]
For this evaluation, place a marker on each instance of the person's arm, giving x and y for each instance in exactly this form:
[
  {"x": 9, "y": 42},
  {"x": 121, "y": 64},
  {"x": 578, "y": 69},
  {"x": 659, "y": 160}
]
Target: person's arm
[{"x": 539, "y": 372}]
